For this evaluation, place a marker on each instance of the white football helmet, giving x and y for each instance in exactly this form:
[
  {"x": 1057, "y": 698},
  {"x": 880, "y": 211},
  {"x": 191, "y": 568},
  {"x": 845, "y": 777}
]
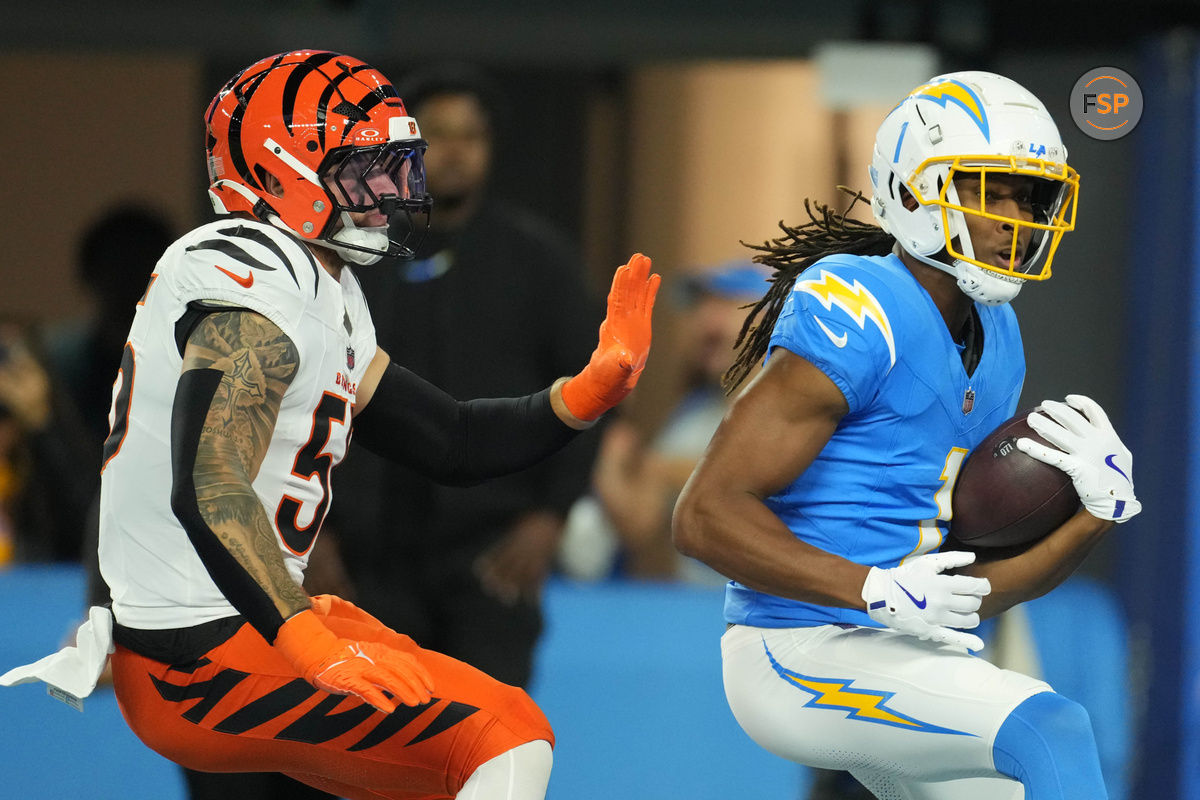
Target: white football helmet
[{"x": 974, "y": 123}]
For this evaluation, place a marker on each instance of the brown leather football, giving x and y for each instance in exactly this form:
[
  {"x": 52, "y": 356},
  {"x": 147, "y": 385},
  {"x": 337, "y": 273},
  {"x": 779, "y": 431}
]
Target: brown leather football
[{"x": 1004, "y": 497}]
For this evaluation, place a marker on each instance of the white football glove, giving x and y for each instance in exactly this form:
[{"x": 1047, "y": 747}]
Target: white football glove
[
  {"x": 1089, "y": 450},
  {"x": 916, "y": 598}
]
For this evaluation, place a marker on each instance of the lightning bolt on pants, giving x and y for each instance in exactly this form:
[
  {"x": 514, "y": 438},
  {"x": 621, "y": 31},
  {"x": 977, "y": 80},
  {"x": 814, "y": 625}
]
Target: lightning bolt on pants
[{"x": 910, "y": 719}]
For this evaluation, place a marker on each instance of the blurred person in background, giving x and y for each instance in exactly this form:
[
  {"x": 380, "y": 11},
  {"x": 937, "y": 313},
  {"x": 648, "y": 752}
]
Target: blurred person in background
[
  {"x": 116, "y": 255},
  {"x": 623, "y": 526},
  {"x": 45, "y": 484},
  {"x": 495, "y": 304}
]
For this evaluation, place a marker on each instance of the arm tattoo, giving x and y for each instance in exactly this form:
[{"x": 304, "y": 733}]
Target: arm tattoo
[{"x": 259, "y": 362}]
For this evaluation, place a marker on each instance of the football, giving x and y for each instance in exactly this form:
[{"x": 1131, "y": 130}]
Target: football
[{"x": 1004, "y": 497}]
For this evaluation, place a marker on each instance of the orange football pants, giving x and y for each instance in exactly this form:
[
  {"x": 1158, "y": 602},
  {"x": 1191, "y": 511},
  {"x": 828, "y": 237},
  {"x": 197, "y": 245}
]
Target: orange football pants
[{"x": 243, "y": 708}]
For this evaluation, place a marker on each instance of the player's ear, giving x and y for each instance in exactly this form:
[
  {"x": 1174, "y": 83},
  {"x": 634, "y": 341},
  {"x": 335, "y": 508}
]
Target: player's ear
[{"x": 269, "y": 181}]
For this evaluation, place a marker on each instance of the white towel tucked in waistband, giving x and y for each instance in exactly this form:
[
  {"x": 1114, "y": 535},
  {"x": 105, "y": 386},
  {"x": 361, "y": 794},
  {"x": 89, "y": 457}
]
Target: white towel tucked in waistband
[{"x": 72, "y": 671}]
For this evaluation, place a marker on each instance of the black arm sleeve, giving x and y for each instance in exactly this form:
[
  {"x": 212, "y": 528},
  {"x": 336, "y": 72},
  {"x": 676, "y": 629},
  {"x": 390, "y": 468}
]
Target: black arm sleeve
[
  {"x": 193, "y": 396},
  {"x": 458, "y": 443}
]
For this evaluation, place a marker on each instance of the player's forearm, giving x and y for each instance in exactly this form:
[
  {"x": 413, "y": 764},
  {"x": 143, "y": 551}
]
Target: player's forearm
[
  {"x": 1040, "y": 568},
  {"x": 236, "y": 517},
  {"x": 738, "y": 536},
  {"x": 231, "y": 510},
  {"x": 413, "y": 422}
]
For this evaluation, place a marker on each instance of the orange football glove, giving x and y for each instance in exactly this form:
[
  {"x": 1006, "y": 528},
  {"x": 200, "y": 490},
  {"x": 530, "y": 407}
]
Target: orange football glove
[
  {"x": 363, "y": 669},
  {"x": 618, "y": 360}
]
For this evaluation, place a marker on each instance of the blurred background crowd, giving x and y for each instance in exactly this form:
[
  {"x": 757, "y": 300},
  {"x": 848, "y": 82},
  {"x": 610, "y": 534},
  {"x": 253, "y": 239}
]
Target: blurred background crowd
[{"x": 562, "y": 137}]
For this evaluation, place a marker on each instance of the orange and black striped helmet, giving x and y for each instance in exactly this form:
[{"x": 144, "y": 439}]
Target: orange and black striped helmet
[{"x": 330, "y": 128}]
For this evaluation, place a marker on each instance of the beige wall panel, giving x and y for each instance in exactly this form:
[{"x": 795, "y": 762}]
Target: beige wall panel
[
  {"x": 720, "y": 153},
  {"x": 861, "y": 124},
  {"x": 82, "y": 132},
  {"x": 723, "y": 151}
]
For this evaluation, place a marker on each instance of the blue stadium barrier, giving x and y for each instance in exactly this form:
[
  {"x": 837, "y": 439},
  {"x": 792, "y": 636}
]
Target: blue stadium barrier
[
  {"x": 630, "y": 677},
  {"x": 50, "y": 749}
]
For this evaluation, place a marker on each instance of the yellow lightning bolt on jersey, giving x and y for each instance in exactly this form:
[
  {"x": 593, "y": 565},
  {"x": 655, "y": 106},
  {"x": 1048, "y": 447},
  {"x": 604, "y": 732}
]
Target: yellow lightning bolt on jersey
[{"x": 855, "y": 300}]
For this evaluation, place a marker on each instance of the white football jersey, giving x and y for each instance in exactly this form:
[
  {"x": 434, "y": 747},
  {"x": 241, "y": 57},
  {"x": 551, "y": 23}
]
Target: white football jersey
[{"x": 157, "y": 579}]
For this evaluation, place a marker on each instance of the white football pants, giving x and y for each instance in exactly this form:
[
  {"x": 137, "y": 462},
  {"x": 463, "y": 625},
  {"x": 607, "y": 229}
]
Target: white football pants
[
  {"x": 909, "y": 719},
  {"x": 518, "y": 774}
]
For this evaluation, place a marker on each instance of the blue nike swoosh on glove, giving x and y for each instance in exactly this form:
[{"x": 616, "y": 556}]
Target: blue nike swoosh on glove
[
  {"x": 1109, "y": 460},
  {"x": 918, "y": 603}
]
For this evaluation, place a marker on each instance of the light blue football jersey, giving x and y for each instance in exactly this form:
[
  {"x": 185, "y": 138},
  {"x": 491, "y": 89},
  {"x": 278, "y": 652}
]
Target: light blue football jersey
[{"x": 879, "y": 492}]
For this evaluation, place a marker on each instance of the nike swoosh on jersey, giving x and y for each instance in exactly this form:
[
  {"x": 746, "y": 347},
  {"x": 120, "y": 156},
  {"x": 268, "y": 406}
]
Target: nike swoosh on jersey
[
  {"x": 838, "y": 341},
  {"x": 918, "y": 603},
  {"x": 245, "y": 282}
]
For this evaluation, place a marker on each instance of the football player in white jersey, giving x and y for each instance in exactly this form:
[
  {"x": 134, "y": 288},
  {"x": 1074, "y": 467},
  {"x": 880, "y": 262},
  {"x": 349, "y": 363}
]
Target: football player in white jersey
[
  {"x": 251, "y": 357},
  {"x": 891, "y": 352}
]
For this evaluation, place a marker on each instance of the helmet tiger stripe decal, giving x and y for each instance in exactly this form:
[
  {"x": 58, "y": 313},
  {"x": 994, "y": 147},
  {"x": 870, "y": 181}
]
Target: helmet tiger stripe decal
[{"x": 292, "y": 87}]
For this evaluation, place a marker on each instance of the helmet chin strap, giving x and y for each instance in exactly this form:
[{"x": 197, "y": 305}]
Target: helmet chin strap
[
  {"x": 359, "y": 245},
  {"x": 985, "y": 286},
  {"x": 361, "y": 237},
  {"x": 979, "y": 284}
]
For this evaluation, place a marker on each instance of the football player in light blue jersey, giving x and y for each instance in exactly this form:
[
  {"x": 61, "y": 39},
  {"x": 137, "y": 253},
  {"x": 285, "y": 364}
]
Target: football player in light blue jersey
[{"x": 891, "y": 351}]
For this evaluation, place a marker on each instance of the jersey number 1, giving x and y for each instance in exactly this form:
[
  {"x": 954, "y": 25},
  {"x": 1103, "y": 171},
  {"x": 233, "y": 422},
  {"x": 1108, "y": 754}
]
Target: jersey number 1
[{"x": 929, "y": 535}]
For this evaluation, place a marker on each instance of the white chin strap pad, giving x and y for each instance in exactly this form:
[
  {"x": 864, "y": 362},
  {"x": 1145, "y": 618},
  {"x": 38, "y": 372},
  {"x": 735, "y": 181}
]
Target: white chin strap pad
[
  {"x": 977, "y": 283},
  {"x": 984, "y": 286},
  {"x": 375, "y": 239}
]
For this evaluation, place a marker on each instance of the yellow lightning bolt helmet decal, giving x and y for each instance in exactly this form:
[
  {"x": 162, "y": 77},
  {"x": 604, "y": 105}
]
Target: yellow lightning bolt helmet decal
[
  {"x": 863, "y": 705},
  {"x": 945, "y": 92},
  {"x": 855, "y": 300}
]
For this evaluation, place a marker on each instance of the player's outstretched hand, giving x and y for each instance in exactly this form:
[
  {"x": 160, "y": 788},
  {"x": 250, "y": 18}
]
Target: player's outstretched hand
[
  {"x": 918, "y": 599},
  {"x": 363, "y": 669},
  {"x": 1089, "y": 450},
  {"x": 618, "y": 359}
]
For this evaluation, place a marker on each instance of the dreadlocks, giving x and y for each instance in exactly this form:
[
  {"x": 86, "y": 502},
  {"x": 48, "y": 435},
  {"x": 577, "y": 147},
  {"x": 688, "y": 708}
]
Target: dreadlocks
[{"x": 826, "y": 233}]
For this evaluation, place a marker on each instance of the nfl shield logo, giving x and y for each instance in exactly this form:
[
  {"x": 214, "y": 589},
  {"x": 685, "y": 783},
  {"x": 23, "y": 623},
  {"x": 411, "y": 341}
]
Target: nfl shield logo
[
  {"x": 968, "y": 401},
  {"x": 349, "y": 357}
]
